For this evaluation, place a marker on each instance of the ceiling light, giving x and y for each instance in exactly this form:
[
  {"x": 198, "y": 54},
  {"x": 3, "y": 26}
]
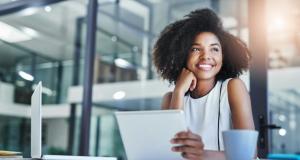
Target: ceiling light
[
  {"x": 119, "y": 95},
  {"x": 11, "y": 34},
  {"x": 282, "y": 132},
  {"x": 26, "y": 76},
  {"x": 135, "y": 48},
  {"x": 48, "y": 9},
  {"x": 45, "y": 90},
  {"x": 114, "y": 38},
  {"x": 281, "y": 117},
  {"x": 28, "y": 11},
  {"x": 29, "y": 31},
  {"x": 123, "y": 63}
]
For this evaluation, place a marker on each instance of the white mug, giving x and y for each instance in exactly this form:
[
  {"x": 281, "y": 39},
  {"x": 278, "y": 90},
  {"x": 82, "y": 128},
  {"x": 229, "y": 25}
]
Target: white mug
[{"x": 240, "y": 144}]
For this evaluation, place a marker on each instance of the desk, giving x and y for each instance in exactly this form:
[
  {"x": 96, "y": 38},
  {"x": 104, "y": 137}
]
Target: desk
[
  {"x": 208, "y": 155},
  {"x": 52, "y": 159},
  {"x": 63, "y": 158},
  {"x": 213, "y": 155}
]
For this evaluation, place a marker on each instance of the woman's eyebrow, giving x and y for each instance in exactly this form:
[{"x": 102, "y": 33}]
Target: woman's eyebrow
[
  {"x": 196, "y": 44},
  {"x": 215, "y": 44}
]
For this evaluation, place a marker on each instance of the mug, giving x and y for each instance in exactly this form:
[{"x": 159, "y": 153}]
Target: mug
[{"x": 240, "y": 144}]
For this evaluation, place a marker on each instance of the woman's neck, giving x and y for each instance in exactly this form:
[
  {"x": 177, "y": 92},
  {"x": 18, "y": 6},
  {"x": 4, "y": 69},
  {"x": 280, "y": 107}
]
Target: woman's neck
[{"x": 203, "y": 87}]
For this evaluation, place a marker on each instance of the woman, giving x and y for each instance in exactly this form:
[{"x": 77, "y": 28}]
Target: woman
[{"x": 204, "y": 62}]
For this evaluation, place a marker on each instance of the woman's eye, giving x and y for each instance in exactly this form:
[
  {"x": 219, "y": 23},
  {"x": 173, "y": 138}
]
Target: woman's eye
[
  {"x": 215, "y": 49},
  {"x": 195, "y": 49}
]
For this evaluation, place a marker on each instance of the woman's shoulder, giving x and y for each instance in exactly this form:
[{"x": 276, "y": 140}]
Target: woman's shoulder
[
  {"x": 236, "y": 88},
  {"x": 235, "y": 83},
  {"x": 232, "y": 86},
  {"x": 232, "y": 82}
]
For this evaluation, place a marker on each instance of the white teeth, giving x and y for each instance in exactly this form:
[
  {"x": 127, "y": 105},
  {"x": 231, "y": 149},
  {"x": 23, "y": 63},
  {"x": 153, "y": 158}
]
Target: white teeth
[{"x": 205, "y": 65}]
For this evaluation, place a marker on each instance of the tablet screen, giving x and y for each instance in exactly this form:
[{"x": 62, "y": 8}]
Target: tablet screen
[{"x": 146, "y": 134}]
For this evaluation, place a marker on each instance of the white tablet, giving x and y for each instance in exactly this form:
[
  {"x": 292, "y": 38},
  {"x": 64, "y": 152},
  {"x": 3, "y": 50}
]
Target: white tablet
[
  {"x": 146, "y": 135},
  {"x": 36, "y": 122},
  {"x": 65, "y": 157}
]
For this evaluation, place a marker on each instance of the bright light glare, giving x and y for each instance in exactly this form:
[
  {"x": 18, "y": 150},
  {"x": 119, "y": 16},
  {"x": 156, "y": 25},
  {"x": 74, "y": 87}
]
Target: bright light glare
[
  {"x": 48, "y": 9},
  {"x": 28, "y": 11},
  {"x": 45, "y": 90},
  {"x": 119, "y": 95},
  {"x": 278, "y": 23},
  {"x": 122, "y": 63},
  {"x": 282, "y": 117},
  {"x": 30, "y": 32},
  {"x": 282, "y": 132},
  {"x": 11, "y": 34},
  {"x": 26, "y": 76}
]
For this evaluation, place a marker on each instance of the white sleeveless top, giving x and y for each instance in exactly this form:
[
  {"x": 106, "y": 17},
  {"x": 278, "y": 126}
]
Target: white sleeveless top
[{"x": 202, "y": 116}]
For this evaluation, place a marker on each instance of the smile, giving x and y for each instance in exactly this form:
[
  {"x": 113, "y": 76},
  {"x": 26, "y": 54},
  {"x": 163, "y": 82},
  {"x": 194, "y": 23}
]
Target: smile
[{"x": 205, "y": 67}]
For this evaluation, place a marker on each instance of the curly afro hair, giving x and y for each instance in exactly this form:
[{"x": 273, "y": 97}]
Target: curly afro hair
[{"x": 172, "y": 47}]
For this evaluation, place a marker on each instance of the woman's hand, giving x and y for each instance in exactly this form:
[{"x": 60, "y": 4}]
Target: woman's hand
[
  {"x": 186, "y": 81},
  {"x": 190, "y": 145}
]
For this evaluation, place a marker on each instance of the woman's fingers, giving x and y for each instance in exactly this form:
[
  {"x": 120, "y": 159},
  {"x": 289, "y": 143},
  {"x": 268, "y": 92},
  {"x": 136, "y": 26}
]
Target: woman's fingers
[
  {"x": 191, "y": 156},
  {"x": 186, "y": 81},
  {"x": 188, "y": 150},
  {"x": 188, "y": 142},
  {"x": 188, "y": 134},
  {"x": 190, "y": 145},
  {"x": 193, "y": 84}
]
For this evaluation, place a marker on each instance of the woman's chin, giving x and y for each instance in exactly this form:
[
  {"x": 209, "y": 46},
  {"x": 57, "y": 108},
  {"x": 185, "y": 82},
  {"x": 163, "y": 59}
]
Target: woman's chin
[{"x": 205, "y": 77}]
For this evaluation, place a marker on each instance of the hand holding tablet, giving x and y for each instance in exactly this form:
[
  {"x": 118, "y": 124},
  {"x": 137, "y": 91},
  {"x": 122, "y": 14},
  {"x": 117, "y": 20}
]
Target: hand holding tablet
[
  {"x": 146, "y": 135},
  {"x": 191, "y": 145}
]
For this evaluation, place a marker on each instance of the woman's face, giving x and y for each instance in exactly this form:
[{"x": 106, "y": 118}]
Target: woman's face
[{"x": 205, "y": 56}]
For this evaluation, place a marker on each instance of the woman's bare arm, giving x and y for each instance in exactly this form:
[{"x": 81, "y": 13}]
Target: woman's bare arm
[
  {"x": 213, "y": 155},
  {"x": 186, "y": 81},
  {"x": 172, "y": 100},
  {"x": 240, "y": 105},
  {"x": 165, "y": 104}
]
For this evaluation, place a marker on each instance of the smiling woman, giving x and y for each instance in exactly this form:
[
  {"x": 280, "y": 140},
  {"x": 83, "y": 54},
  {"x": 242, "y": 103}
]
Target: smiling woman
[{"x": 204, "y": 62}]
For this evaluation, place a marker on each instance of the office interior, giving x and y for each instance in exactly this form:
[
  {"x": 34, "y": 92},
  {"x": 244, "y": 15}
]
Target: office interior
[{"x": 46, "y": 40}]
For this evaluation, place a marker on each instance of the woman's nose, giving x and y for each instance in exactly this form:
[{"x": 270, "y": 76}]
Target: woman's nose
[{"x": 205, "y": 55}]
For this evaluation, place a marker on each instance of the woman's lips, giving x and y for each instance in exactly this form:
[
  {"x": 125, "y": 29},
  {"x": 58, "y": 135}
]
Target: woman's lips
[{"x": 205, "y": 67}]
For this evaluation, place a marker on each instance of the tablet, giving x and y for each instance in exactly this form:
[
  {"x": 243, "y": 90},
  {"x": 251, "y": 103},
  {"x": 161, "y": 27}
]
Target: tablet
[
  {"x": 36, "y": 122},
  {"x": 146, "y": 135},
  {"x": 66, "y": 157}
]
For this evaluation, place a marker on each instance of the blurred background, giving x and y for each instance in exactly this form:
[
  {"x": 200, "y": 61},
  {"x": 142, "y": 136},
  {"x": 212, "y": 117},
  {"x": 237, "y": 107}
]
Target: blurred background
[{"x": 39, "y": 43}]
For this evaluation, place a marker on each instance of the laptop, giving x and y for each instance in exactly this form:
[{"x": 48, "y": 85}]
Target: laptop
[
  {"x": 146, "y": 135},
  {"x": 36, "y": 132}
]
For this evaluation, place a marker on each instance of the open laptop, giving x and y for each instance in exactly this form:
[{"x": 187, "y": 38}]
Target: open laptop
[
  {"x": 36, "y": 131},
  {"x": 146, "y": 135}
]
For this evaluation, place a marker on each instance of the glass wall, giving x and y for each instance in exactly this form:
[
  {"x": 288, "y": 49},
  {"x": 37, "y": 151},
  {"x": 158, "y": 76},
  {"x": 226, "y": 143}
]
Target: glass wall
[
  {"x": 124, "y": 52},
  {"x": 37, "y": 44},
  {"x": 283, "y": 74}
]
